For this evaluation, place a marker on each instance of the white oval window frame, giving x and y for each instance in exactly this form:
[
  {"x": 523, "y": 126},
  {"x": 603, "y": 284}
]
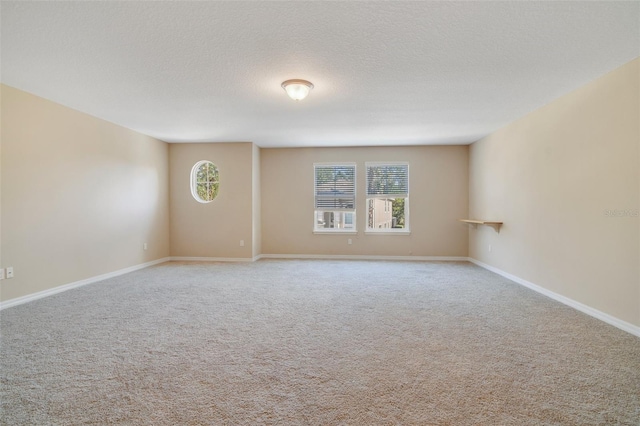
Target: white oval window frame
[{"x": 194, "y": 184}]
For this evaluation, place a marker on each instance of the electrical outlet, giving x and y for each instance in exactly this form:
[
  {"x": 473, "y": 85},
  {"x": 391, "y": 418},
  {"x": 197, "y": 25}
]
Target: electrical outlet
[
  {"x": 349, "y": 241},
  {"x": 10, "y": 272},
  {"x": 241, "y": 243},
  {"x": 489, "y": 247},
  {"x": 144, "y": 246}
]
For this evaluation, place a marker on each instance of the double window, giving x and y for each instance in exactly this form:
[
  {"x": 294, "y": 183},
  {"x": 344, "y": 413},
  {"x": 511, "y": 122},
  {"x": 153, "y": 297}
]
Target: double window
[
  {"x": 387, "y": 197},
  {"x": 335, "y": 197}
]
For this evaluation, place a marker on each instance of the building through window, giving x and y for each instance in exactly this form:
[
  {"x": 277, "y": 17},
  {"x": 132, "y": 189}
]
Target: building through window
[
  {"x": 335, "y": 197},
  {"x": 387, "y": 196}
]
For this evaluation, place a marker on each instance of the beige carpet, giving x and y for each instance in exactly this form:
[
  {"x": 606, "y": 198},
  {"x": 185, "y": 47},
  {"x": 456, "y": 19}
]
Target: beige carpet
[{"x": 313, "y": 343}]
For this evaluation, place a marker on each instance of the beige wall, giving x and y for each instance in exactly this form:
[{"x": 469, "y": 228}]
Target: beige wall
[
  {"x": 213, "y": 229},
  {"x": 257, "y": 203},
  {"x": 1, "y": 263},
  {"x": 438, "y": 198},
  {"x": 551, "y": 176},
  {"x": 80, "y": 195}
]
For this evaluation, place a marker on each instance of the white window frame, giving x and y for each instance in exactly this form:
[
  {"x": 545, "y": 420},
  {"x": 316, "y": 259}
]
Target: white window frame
[
  {"x": 387, "y": 231},
  {"x": 194, "y": 184},
  {"x": 341, "y": 231}
]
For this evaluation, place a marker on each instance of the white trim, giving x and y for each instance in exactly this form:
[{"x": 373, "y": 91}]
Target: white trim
[
  {"x": 59, "y": 289},
  {"x": 364, "y": 257},
  {"x": 335, "y": 163},
  {"x": 213, "y": 259},
  {"x": 386, "y": 231},
  {"x": 336, "y": 232},
  {"x": 385, "y": 163},
  {"x": 616, "y": 322}
]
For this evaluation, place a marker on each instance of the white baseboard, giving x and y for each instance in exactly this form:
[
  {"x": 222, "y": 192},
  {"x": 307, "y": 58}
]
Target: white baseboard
[
  {"x": 213, "y": 259},
  {"x": 59, "y": 289},
  {"x": 317, "y": 256},
  {"x": 622, "y": 325},
  {"x": 50, "y": 292},
  {"x": 363, "y": 257}
]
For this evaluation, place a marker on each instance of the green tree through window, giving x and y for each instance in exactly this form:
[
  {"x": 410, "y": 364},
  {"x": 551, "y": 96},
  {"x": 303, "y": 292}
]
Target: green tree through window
[{"x": 398, "y": 211}]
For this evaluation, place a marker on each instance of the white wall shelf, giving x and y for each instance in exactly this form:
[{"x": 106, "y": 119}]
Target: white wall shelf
[{"x": 475, "y": 222}]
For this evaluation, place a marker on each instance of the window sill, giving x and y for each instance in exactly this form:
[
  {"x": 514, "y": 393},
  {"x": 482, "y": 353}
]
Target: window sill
[
  {"x": 404, "y": 232},
  {"x": 349, "y": 232}
]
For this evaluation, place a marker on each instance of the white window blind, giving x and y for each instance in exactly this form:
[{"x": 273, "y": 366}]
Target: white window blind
[
  {"x": 387, "y": 180},
  {"x": 335, "y": 187}
]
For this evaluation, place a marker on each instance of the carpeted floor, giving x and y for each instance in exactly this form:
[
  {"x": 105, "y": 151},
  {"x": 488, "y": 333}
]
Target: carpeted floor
[{"x": 293, "y": 342}]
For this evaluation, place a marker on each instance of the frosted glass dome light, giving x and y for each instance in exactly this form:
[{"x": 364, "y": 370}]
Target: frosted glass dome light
[{"x": 297, "y": 89}]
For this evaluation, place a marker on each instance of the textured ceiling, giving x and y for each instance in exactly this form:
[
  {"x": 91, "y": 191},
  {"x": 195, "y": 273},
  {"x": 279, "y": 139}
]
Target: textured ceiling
[{"x": 385, "y": 73}]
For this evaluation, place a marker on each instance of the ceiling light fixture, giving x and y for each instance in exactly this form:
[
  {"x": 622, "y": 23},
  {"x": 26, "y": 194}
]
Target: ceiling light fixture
[{"x": 297, "y": 89}]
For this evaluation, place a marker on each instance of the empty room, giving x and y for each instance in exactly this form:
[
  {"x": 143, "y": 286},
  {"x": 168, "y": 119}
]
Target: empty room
[{"x": 320, "y": 213}]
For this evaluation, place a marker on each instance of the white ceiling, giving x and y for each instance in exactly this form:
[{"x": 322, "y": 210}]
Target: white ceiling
[{"x": 385, "y": 73}]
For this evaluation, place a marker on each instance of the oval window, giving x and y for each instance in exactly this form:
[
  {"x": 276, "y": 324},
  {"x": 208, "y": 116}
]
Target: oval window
[{"x": 204, "y": 181}]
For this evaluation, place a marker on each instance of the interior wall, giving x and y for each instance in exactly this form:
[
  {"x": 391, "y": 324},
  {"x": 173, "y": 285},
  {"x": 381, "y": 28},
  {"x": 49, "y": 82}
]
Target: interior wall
[
  {"x": 1, "y": 263},
  {"x": 438, "y": 198},
  {"x": 213, "y": 229},
  {"x": 80, "y": 196},
  {"x": 565, "y": 181},
  {"x": 256, "y": 203}
]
